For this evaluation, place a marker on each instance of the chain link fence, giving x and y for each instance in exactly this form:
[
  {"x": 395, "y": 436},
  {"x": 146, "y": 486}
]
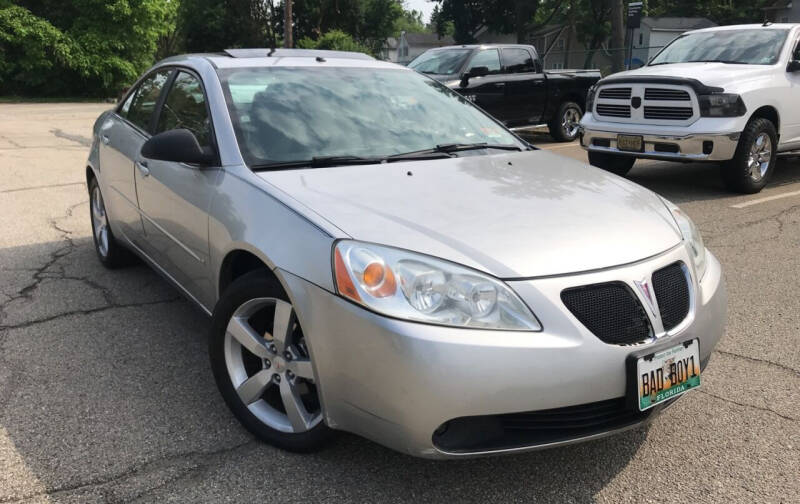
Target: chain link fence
[{"x": 599, "y": 58}]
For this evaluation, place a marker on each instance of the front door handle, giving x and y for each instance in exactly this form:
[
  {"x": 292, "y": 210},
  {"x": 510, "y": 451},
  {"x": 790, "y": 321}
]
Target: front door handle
[
  {"x": 105, "y": 139},
  {"x": 143, "y": 169}
]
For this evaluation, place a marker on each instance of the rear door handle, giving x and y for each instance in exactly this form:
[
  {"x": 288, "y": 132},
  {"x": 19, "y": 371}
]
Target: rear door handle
[
  {"x": 142, "y": 166},
  {"x": 500, "y": 84},
  {"x": 105, "y": 139}
]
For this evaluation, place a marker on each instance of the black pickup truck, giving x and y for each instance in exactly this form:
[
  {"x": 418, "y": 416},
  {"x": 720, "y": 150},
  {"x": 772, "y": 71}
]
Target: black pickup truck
[{"x": 507, "y": 81}]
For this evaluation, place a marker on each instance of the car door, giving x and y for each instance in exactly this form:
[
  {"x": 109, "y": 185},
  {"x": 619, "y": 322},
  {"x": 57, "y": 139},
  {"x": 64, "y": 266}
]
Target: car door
[
  {"x": 122, "y": 135},
  {"x": 526, "y": 90},
  {"x": 174, "y": 198},
  {"x": 488, "y": 91},
  {"x": 790, "y": 129}
]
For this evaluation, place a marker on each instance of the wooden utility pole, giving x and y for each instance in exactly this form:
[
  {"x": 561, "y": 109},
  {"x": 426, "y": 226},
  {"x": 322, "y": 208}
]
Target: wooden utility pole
[
  {"x": 287, "y": 24},
  {"x": 617, "y": 36}
]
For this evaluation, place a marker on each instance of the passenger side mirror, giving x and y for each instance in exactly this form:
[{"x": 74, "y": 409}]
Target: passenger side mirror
[
  {"x": 478, "y": 71},
  {"x": 793, "y": 66},
  {"x": 179, "y": 146}
]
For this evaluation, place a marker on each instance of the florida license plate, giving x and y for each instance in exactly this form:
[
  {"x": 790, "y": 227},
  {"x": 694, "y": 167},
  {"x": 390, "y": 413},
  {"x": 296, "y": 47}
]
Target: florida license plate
[
  {"x": 668, "y": 373},
  {"x": 631, "y": 143}
]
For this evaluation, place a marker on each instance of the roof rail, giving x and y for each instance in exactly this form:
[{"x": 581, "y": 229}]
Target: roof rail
[{"x": 295, "y": 53}]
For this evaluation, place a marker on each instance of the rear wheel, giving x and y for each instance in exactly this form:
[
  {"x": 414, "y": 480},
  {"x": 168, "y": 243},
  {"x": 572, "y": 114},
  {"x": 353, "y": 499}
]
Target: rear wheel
[
  {"x": 565, "y": 125},
  {"x": 262, "y": 365},
  {"x": 752, "y": 165},
  {"x": 619, "y": 165},
  {"x": 109, "y": 251}
]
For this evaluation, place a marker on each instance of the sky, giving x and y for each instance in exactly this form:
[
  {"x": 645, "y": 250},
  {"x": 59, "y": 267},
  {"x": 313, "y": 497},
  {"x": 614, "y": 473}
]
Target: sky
[{"x": 421, "y": 5}]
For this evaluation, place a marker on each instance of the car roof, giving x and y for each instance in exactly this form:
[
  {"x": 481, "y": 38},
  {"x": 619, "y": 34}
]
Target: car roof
[
  {"x": 265, "y": 57},
  {"x": 482, "y": 46},
  {"x": 763, "y": 26}
]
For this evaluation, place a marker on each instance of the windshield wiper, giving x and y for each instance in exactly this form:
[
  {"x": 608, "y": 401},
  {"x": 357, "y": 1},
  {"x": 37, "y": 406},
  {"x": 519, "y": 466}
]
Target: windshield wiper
[
  {"x": 729, "y": 62},
  {"x": 441, "y": 149},
  {"x": 317, "y": 162}
]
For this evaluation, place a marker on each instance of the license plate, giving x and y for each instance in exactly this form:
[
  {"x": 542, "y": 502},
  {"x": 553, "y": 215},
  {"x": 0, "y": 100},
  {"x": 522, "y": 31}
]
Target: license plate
[
  {"x": 668, "y": 373},
  {"x": 629, "y": 143}
]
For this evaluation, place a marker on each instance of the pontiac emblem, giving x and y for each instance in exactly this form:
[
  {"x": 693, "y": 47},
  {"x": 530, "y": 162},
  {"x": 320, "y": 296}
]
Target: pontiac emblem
[{"x": 644, "y": 288}]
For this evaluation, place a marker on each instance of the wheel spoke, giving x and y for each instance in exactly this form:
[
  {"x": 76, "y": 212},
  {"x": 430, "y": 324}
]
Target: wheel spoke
[
  {"x": 283, "y": 325},
  {"x": 301, "y": 368},
  {"x": 241, "y": 331},
  {"x": 295, "y": 410},
  {"x": 254, "y": 387}
]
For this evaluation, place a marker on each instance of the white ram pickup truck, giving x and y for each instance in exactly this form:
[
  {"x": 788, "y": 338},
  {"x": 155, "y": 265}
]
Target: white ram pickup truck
[{"x": 729, "y": 94}]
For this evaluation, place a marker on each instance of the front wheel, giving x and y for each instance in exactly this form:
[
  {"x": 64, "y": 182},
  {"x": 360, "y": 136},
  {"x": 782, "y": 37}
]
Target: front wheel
[
  {"x": 619, "y": 165},
  {"x": 752, "y": 165},
  {"x": 262, "y": 365},
  {"x": 109, "y": 251},
  {"x": 565, "y": 125}
]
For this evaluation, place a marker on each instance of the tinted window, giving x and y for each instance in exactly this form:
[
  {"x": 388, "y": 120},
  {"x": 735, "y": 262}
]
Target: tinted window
[
  {"x": 488, "y": 58},
  {"x": 185, "y": 107},
  {"x": 296, "y": 113},
  {"x": 145, "y": 98},
  {"x": 442, "y": 62},
  {"x": 518, "y": 60},
  {"x": 123, "y": 111},
  {"x": 758, "y": 46}
]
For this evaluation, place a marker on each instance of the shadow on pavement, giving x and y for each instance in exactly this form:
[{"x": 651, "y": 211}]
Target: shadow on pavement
[{"x": 115, "y": 395}]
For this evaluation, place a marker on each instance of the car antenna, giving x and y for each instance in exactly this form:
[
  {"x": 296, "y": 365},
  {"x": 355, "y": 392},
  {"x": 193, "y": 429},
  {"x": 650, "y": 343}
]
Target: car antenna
[{"x": 767, "y": 23}]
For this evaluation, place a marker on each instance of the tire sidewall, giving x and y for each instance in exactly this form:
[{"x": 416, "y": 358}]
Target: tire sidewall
[
  {"x": 556, "y": 129},
  {"x": 250, "y": 286}
]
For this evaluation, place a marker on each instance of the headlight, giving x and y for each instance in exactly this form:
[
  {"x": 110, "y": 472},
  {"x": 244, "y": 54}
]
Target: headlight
[
  {"x": 721, "y": 105},
  {"x": 590, "y": 98},
  {"x": 692, "y": 237},
  {"x": 411, "y": 286}
]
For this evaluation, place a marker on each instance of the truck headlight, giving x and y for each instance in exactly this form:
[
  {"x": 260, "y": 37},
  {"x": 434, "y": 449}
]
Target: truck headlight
[
  {"x": 406, "y": 285},
  {"x": 721, "y": 105},
  {"x": 691, "y": 235}
]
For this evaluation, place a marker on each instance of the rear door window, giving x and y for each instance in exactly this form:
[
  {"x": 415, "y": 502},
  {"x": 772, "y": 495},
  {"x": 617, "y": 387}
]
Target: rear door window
[
  {"x": 517, "y": 61},
  {"x": 185, "y": 107},
  {"x": 145, "y": 99}
]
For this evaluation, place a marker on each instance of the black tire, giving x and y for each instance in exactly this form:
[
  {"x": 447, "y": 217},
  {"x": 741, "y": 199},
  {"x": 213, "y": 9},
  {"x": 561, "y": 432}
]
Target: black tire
[
  {"x": 738, "y": 174},
  {"x": 257, "y": 284},
  {"x": 561, "y": 126},
  {"x": 109, "y": 251},
  {"x": 617, "y": 164}
]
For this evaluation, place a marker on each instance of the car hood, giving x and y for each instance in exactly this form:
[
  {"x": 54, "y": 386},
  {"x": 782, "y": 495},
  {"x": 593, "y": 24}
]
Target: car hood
[
  {"x": 513, "y": 215},
  {"x": 726, "y": 76}
]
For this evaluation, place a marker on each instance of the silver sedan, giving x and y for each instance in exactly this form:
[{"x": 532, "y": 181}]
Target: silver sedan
[{"x": 377, "y": 255}]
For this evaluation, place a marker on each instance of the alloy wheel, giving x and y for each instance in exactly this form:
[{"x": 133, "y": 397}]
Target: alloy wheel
[
  {"x": 570, "y": 122},
  {"x": 99, "y": 222},
  {"x": 270, "y": 367},
  {"x": 759, "y": 157}
]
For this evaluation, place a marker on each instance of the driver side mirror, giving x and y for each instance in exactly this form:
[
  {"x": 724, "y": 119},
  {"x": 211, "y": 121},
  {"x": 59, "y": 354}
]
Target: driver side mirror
[
  {"x": 179, "y": 146},
  {"x": 793, "y": 66},
  {"x": 478, "y": 71}
]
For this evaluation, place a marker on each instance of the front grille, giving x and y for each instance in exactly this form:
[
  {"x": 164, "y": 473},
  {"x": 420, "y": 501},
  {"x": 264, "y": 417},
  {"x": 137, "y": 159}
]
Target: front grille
[
  {"x": 606, "y": 109},
  {"x": 610, "y": 311},
  {"x": 672, "y": 294},
  {"x": 621, "y": 93},
  {"x": 668, "y": 113},
  {"x": 666, "y": 94},
  {"x": 496, "y": 432}
]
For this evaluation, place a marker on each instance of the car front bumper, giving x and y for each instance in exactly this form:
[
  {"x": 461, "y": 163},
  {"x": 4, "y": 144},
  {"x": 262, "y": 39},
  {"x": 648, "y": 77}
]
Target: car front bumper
[
  {"x": 397, "y": 382},
  {"x": 665, "y": 143}
]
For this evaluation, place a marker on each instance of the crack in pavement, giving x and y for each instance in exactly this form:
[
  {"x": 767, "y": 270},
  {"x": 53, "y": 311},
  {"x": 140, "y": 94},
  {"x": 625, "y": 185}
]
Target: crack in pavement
[
  {"x": 762, "y": 361},
  {"x": 745, "y": 405},
  {"x": 197, "y": 457},
  {"x": 33, "y": 188},
  {"x": 12, "y": 142}
]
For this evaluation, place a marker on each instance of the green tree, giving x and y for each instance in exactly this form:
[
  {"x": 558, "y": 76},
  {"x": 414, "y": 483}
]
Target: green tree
[
  {"x": 335, "y": 40},
  {"x": 214, "y": 25},
  {"x": 410, "y": 22}
]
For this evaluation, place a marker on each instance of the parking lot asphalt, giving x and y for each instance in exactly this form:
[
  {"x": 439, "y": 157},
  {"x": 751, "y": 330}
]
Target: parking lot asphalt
[{"x": 106, "y": 393}]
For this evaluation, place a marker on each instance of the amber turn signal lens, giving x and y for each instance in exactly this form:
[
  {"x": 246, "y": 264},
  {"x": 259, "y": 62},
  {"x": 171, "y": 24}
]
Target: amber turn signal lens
[
  {"x": 378, "y": 280},
  {"x": 343, "y": 281},
  {"x": 374, "y": 275}
]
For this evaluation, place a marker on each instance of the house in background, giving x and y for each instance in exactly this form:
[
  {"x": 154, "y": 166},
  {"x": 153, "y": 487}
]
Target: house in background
[
  {"x": 782, "y": 11},
  {"x": 411, "y": 45},
  {"x": 389, "y": 49},
  {"x": 656, "y": 32}
]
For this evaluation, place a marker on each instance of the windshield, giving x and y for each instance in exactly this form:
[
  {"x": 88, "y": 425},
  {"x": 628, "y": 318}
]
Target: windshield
[
  {"x": 748, "y": 47},
  {"x": 299, "y": 113},
  {"x": 440, "y": 62}
]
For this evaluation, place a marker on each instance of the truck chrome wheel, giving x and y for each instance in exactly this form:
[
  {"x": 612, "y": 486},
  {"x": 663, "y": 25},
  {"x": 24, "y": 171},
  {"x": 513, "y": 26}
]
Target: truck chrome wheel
[
  {"x": 269, "y": 365},
  {"x": 99, "y": 222},
  {"x": 570, "y": 122},
  {"x": 760, "y": 156}
]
